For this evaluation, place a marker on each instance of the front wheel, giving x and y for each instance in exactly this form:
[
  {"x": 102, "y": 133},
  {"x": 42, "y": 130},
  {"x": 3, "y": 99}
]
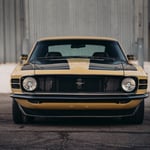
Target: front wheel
[
  {"x": 138, "y": 116},
  {"x": 16, "y": 113}
]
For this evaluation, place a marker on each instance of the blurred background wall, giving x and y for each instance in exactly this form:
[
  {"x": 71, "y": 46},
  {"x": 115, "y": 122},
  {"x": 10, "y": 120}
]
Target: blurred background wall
[{"x": 22, "y": 22}]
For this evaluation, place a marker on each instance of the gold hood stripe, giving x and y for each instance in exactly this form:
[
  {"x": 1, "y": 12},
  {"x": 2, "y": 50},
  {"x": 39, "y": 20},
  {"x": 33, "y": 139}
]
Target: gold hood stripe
[{"x": 79, "y": 64}]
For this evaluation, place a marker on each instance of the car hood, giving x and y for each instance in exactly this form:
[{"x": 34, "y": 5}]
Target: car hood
[{"x": 83, "y": 64}]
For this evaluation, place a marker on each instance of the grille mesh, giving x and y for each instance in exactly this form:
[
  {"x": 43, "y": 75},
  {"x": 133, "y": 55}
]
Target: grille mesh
[{"x": 78, "y": 83}]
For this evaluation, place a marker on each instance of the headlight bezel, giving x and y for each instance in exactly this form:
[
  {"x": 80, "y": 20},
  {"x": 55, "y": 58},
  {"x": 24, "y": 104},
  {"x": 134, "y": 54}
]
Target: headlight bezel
[
  {"x": 129, "y": 84},
  {"x": 25, "y": 83}
]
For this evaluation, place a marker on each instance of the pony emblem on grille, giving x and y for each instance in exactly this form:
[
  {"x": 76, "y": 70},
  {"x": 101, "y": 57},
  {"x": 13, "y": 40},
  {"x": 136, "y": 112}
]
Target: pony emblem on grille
[{"x": 79, "y": 83}]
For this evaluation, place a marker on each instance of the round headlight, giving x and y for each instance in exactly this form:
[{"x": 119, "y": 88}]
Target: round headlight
[
  {"x": 29, "y": 84},
  {"x": 128, "y": 84}
]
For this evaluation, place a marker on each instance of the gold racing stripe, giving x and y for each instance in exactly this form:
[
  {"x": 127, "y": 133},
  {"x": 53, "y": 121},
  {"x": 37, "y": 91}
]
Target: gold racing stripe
[{"x": 77, "y": 64}]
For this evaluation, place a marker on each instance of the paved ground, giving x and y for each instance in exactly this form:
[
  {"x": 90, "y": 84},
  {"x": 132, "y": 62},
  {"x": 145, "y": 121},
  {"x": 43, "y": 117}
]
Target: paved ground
[{"x": 72, "y": 134}]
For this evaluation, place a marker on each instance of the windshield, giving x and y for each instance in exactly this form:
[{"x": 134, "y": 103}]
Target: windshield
[{"x": 63, "y": 49}]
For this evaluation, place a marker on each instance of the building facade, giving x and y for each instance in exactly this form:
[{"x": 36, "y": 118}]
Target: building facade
[{"x": 22, "y": 22}]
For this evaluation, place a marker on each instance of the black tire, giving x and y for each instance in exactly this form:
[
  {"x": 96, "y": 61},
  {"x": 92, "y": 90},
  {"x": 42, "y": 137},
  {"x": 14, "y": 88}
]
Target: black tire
[
  {"x": 138, "y": 116},
  {"x": 17, "y": 115}
]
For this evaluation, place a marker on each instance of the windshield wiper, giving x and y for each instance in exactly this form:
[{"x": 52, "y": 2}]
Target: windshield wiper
[
  {"x": 103, "y": 59},
  {"x": 48, "y": 60},
  {"x": 59, "y": 58},
  {"x": 108, "y": 60},
  {"x": 120, "y": 61}
]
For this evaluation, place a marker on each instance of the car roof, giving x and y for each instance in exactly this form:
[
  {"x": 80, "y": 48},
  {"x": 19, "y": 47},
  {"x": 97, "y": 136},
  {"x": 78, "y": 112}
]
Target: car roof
[{"x": 77, "y": 38}]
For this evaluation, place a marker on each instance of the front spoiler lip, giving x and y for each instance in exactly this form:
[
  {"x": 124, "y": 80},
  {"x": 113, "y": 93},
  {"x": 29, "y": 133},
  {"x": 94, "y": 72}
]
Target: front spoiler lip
[
  {"x": 57, "y": 97},
  {"x": 79, "y": 116}
]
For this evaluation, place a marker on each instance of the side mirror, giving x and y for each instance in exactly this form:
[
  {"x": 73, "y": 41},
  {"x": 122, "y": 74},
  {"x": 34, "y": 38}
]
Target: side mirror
[
  {"x": 23, "y": 58},
  {"x": 131, "y": 57}
]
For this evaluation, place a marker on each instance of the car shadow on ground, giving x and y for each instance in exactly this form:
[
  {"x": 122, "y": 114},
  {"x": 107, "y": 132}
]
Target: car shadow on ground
[{"x": 78, "y": 122}]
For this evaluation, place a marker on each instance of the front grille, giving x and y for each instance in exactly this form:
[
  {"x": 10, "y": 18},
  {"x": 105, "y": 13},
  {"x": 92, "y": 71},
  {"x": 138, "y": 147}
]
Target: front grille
[{"x": 78, "y": 83}]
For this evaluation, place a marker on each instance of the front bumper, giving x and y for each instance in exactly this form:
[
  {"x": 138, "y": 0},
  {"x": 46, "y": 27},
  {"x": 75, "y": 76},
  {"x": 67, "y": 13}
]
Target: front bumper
[
  {"x": 78, "y": 105},
  {"x": 79, "y": 97}
]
